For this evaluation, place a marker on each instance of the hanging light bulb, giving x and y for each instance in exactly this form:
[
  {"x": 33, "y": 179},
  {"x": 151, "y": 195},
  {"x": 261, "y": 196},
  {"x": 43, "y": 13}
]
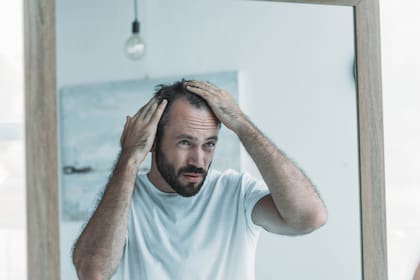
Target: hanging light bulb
[{"x": 134, "y": 46}]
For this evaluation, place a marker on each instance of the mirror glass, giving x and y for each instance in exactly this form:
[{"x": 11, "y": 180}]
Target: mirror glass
[{"x": 291, "y": 69}]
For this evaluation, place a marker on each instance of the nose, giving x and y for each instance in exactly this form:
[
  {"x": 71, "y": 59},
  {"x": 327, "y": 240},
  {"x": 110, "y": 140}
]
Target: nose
[{"x": 197, "y": 157}]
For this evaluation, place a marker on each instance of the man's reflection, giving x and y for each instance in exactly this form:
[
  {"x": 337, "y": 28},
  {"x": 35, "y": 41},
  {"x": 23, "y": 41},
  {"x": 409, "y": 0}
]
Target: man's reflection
[{"x": 183, "y": 220}]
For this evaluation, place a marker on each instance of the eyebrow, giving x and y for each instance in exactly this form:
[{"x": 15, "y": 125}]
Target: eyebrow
[{"x": 189, "y": 137}]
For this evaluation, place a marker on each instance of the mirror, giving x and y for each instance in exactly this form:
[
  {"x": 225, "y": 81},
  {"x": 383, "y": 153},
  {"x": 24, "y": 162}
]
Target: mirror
[{"x": 293, "y": 65}]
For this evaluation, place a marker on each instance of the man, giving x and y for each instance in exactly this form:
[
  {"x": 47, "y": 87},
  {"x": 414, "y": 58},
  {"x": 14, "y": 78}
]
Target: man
[{"x": 182, "y": 220}]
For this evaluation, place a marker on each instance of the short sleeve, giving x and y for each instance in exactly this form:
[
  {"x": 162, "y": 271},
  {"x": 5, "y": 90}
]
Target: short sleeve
[{"x": 254, "y": 190}]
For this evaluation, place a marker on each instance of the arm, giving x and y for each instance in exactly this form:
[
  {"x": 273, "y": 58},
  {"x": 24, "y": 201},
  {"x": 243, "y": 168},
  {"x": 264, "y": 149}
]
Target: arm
[
  {"x": 294, "y": 206},
  {"x": 99, "y": 248},
  {"x": 299, "y": 207}
]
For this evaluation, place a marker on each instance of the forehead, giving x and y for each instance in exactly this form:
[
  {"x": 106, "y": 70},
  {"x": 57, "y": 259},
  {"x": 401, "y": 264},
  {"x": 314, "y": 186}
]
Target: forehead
[{"x": 184, "y": 118}]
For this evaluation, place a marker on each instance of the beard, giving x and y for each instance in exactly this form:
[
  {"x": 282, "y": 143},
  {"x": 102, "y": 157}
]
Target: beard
[{"x": 172, "y": 176}]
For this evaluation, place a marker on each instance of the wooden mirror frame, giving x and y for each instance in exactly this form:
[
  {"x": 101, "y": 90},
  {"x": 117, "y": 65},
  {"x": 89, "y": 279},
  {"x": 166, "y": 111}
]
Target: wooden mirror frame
[{"x": 41, "y": 137}]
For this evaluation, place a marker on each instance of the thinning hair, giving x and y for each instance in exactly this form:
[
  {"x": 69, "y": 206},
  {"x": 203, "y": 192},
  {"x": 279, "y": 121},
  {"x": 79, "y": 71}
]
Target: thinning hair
[{"x": 173, "y": 92}]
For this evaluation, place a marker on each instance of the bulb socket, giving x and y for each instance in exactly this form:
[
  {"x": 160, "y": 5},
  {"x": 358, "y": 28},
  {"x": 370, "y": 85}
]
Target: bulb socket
[{"x": 135, "y": 28}]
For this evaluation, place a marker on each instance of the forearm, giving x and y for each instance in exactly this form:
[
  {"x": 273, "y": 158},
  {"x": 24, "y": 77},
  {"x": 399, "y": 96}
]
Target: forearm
[
  {"x": 100, "y": 246},
  {"x": 294, "y": 196}
]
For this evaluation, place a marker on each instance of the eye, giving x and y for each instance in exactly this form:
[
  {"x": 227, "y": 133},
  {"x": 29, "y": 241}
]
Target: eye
[
  {"x": 184, "y": 143},
  {"x": 210, "y": 145}
]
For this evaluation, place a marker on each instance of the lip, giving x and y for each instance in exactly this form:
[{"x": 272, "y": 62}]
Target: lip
[{"x": 193, "y": 177}]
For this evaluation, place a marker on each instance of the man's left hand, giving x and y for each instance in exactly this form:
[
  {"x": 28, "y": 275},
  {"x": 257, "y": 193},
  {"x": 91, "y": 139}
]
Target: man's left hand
[{"x": 220, "y": 102}]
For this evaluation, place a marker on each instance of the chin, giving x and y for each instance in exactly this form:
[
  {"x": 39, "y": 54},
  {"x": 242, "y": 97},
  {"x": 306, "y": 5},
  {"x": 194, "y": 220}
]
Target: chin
[{"x": 188, "y": 191}]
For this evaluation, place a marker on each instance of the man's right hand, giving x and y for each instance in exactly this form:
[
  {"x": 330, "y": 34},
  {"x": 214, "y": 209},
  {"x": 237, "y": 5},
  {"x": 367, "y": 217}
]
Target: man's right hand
[{"x": 140, "y": 130}]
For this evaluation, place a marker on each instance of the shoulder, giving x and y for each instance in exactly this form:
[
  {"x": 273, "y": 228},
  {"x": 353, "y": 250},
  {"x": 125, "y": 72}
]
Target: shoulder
[
  {"x": 228, "y": 176},
  {"x": 234, "y": 178}
]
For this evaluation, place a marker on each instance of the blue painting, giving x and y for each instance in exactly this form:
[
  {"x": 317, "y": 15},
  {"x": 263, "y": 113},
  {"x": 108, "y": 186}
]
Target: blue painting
[{"x": 91, "y": 119}]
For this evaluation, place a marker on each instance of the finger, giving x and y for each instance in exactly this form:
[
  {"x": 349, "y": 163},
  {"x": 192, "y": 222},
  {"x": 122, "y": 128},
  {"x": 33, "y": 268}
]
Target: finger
[
  {"x": 202, "y": 85},
  {"x": 159, "y": 111},
  {"x": 145, "y": 107},
  {"x": 199, "y": 91},
  {"x": 203, "y": 89},
  {"x": 147, "y": 116},
  {"x": 195, "y": 84}
]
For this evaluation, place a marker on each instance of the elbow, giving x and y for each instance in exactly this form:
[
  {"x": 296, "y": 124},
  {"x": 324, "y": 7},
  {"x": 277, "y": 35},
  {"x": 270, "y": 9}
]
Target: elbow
[
  {"x": 89, "y": 275},
  {"x": 88, "y": 272},
  {"x": 311, "y": 222},
  {"x": 86, "y": 269},
  {"x": 320, "y": 219},
  {"x": 316, "y": 220}
]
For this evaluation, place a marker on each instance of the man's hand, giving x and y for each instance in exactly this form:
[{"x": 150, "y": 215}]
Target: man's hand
[
  {"x": 221, "y": 103},
  {"x": 140, "y": 130}
]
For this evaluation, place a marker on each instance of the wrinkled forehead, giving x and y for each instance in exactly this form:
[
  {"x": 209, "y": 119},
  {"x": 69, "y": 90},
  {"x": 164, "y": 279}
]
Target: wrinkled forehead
[{"x": 188, "y": 119}]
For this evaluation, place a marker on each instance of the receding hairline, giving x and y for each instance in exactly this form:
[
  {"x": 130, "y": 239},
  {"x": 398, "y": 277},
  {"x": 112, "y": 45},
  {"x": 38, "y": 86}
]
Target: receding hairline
[
  {"x": 185, "y": 100},
  {"x": 177, "y": 91}
]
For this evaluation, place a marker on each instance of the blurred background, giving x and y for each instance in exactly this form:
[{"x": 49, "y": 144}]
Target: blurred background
[{"x": 400, "y": 73}]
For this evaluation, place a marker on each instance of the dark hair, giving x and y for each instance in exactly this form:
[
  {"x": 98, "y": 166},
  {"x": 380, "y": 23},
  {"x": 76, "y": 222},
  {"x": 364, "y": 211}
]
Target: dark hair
[{"x": 173, "y": 92}]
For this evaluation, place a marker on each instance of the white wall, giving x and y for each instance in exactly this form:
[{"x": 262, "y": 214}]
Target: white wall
[
  {"x": 12, "y": 144},
  {"x": 401, "y": 71},
  {"x": 295, "y": 63}
]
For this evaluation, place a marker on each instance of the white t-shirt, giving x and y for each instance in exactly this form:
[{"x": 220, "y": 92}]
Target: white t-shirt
[{"x": 208, "y": 236}]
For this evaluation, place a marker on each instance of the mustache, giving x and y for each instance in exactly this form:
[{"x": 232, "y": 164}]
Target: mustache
[{"x": 192, "y": 169}]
